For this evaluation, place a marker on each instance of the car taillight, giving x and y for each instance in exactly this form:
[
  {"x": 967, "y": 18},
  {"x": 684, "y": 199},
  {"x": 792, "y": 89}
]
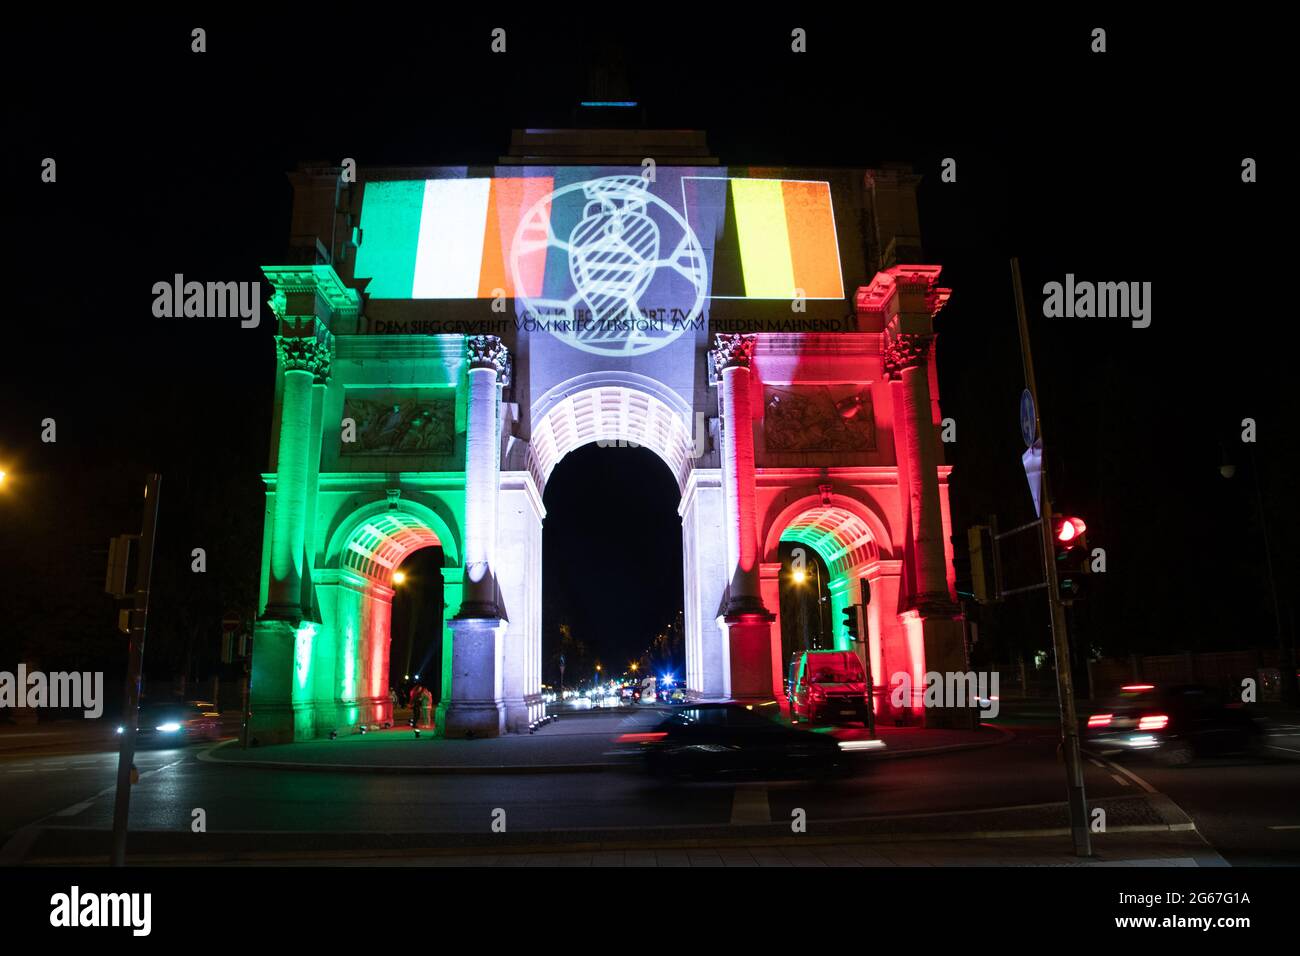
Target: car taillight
[
  {"x": 817, "y": 692},
  {"x": 643, "y": 738},
  {"x": 1099, "y": 720},
  {"x": 1153, "y": 722}
]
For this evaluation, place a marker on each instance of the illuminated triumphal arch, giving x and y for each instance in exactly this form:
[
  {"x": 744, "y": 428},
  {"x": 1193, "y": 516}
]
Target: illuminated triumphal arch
[{"x": 765, "y": 332}]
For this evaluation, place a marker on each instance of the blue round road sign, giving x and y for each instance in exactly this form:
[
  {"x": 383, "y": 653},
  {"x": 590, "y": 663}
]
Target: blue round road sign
[{"x": 1028, "y": 420}]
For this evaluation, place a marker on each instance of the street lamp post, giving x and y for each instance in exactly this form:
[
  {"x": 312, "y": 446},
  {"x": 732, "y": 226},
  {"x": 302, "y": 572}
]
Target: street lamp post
[{"x": 800, "y": 576}]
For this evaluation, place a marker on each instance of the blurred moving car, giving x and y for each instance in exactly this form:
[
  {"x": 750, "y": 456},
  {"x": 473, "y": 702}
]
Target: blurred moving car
[
  {"x": 181, "y": 722},
  {"x": 1172, "y": 724},
  {"x": 829, "y": 686},
  {"x": 705, "y": 740}
]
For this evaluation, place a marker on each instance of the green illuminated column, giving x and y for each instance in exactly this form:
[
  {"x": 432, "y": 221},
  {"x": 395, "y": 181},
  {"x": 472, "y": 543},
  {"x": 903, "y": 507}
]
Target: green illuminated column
[
  {"x": 452, "y": 586},
  {"x": 304, "y": 356},
  {"x": 291, "y": 695}
]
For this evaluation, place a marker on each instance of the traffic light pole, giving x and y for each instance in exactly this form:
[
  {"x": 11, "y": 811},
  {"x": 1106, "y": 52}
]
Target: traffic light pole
[
  {"x": 1060, "y": 638},
  {"x": 135, "y": 665}
]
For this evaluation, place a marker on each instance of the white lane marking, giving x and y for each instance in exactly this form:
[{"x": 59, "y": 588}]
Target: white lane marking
[
  {"x": 749, "y": 805},
  {"x": 1290, "y": 750},
  {"x": 1097, "y": 762},
  {"x": 76, "y": 808},
  {"x": 1132, "y": 776},
  {"x": 1120, "y": 780},
  {"x": 1289, "y": 826}
]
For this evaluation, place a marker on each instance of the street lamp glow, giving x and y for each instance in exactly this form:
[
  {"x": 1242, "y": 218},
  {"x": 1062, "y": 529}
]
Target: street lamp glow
[
  {"x": 399, "y": 577},
  {"x": 798, "y": 575}
]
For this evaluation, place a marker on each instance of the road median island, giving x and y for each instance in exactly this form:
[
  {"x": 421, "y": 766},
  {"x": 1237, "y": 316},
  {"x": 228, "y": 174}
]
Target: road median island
[{"x": 573, "y": 748}]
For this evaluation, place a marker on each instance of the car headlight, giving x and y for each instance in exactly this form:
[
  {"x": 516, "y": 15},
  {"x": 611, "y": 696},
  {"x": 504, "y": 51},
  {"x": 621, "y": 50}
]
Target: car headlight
[
  {"x": 170, "y": 727},
  {"x": 121, "y": 730}
]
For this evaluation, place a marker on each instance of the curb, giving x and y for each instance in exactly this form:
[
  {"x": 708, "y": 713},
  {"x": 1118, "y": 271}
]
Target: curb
[
  {"x": 308, "y": 847},
  {"x": 207, "y": 756}
]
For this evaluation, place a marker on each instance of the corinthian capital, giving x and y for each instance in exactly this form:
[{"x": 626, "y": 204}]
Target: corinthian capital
[
  {"x": 487, "y": 351},
  {"x": 905, "y": 350},
  {"x": 312, "y": 351},
  {"x": 732, "y": 351}
]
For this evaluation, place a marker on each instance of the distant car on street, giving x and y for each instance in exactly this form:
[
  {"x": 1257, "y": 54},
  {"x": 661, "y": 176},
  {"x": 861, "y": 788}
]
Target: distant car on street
[
  {"x": 1172, "y": 724},
  {"x": 672, "y": 692},
  {"x": 707, "y": 740},
  {"x": 182, "y": 722},
  {"x": 829, "y": 687}
]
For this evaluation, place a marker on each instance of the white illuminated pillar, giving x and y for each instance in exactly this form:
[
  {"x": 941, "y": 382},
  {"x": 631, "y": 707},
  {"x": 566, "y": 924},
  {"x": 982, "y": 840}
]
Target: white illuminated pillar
[
  {"x": 476, "y": 707},
  {"x": 487, "y": 366}
]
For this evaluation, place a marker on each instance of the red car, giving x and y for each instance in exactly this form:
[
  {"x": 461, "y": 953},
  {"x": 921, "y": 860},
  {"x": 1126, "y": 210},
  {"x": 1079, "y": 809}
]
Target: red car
[{"x": 829, "y": 687}]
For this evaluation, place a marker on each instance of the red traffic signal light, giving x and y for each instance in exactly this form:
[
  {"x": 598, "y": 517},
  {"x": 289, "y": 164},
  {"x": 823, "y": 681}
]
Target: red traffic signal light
[{"x": 1069, "y": 531}]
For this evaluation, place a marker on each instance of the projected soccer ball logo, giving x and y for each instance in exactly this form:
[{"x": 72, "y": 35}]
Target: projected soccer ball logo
[{"x": 615, "y": 256}]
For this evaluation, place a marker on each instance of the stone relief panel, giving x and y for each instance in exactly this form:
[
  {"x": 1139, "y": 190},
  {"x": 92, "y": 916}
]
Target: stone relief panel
[
  {"x": 815, "y": 418},
  {"x": 399, "y": 423}
]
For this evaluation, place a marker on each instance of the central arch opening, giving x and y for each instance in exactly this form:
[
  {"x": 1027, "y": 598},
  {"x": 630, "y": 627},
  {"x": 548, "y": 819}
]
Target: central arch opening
[{"x": 612, "y": 601}]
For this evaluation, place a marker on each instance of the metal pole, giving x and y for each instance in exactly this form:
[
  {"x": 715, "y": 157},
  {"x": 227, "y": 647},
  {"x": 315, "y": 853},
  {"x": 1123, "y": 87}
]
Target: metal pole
[
  {"x": 865, "y": 592},
  {"x": 1285, "y": 667},
  {"x": 135, "y": 665},
  {"x": 820, "y": 630},
  {"x": 1060, "y": 638}
]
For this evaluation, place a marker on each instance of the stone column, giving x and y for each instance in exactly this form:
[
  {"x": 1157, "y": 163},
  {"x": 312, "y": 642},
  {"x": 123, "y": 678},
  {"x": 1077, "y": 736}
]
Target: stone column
[
  {"x": 747, "y": 622},
  {"x": 519, "y": 577},
  {"x": 453, "y": 583},
  {"x": 906, "y": 363},
  {"x": 282, "y": 688},
  {"x": 929, "y": 607},
  {"x": 476, "y": 708},
  {"x": 770, "y": 582},
  {"x": 305, "y": 352},
  {"x": 292, "y": 695}
]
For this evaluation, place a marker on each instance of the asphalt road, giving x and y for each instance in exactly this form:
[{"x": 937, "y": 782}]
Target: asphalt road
[{"x": 1246, "y": 808}]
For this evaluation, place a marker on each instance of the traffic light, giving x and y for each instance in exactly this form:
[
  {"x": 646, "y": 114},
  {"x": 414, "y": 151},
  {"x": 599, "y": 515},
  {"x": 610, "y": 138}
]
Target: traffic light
[
  {"x": 851, "y": 621},
  {"x": 1072, "y": 556},
  {"x": 1071, "y": 532},
  {"x": 986, "y": 579}
]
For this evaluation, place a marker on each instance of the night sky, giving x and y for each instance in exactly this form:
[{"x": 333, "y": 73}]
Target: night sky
[{"x": 173, "y": 162}]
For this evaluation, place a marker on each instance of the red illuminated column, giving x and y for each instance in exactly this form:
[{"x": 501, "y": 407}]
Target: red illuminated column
[
  {"x": 935, "y": 636},
  {"x": 906, "y": 362},
  {"x": 747, "y": 622},
  {"x": 770, "y": 576}
]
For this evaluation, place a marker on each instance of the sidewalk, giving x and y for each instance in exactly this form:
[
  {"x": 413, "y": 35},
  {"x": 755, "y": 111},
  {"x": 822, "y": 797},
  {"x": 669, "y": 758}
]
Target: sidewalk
[
  {"x": 575, "y": 744},
  {"x": 1172, "y": 850},
  {"x": 1144, "y": 830}
]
